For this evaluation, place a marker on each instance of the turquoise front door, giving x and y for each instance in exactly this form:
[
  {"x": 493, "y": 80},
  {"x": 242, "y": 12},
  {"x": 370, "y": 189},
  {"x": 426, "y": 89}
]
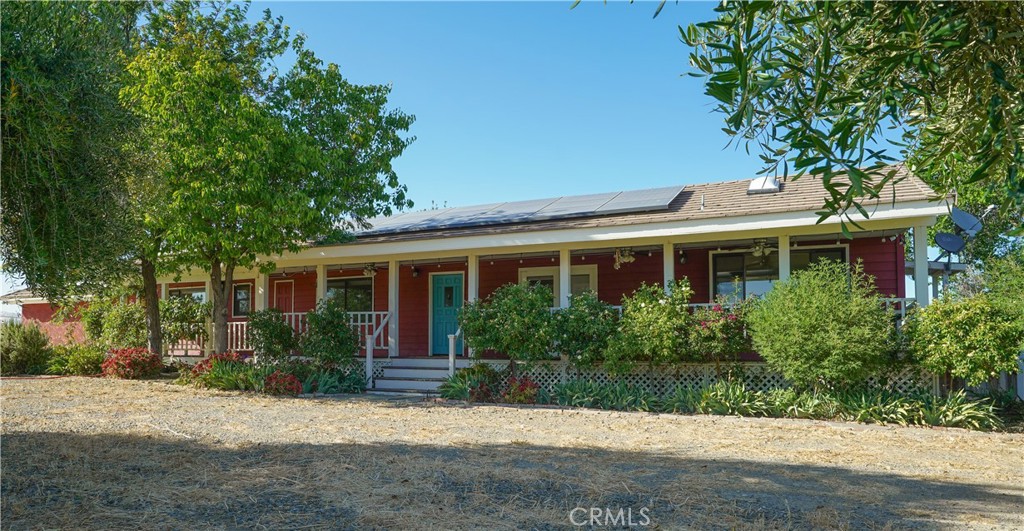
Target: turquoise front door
[{"x": 445, "y": 303}]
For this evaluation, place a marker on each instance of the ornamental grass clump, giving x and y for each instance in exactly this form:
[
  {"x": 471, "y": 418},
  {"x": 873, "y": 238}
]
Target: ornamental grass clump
[
  {"x": 132, "y": 364},
  {"x": 824, "y": 328}
]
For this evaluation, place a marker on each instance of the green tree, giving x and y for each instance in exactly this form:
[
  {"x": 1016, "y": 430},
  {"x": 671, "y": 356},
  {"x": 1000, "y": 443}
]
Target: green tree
[
  {"x": 819, "y": 87},
  {"x": 256, "y": 163},
  {"x": 63, "y": 132}
]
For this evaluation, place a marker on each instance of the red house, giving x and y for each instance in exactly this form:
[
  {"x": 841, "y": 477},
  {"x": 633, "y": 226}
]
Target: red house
[{"x": 405, "y": 278}]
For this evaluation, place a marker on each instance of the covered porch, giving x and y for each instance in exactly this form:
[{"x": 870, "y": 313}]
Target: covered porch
[{"x": 406, "y": 305}]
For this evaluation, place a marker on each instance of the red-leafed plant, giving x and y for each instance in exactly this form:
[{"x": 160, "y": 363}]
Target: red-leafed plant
[
  {"x": 521, "y": 390},
  {"x": 282, "y": 383},
  {"x": 203, "y": 367},
  {"x": 132, "y": 364}
]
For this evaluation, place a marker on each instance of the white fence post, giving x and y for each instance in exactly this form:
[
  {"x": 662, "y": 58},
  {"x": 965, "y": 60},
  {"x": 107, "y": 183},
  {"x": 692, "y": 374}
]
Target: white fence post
[
  {"x": 451, "y": 354},
  {"x": 369, "y": 361}
]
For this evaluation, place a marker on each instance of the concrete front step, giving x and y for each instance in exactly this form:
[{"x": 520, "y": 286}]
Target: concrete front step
[
  {"x": 407, "y": 384},
  {"x": 418, "y": 373},
  {"x": 438, "y": 362}
]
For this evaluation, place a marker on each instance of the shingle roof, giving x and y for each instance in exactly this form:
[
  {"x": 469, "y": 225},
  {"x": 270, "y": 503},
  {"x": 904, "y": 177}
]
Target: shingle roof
[
  {"x": 696, "y": 202},
  {"x": 18, "y": 295}
]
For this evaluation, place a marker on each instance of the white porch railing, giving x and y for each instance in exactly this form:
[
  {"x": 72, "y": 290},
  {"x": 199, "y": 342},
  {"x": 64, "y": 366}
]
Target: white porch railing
[
  {"x": 900, "y": 305},
  {"x": 365, "y": 324}
]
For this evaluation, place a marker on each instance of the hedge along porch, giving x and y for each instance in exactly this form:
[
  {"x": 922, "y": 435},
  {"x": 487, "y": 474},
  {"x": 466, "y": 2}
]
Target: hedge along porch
[{"x": 404, "y": 281}]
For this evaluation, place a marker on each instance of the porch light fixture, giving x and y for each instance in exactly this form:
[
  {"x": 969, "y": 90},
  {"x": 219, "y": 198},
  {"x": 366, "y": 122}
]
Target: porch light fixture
[
  {"x": 682, "y": 256},
  {"x": 370, "y": 270},
  {"x": 415, "y": 271},
  {"x": 623, "y": 256}
]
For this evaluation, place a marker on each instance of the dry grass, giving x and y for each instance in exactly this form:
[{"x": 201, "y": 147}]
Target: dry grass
[{"x": 87, "y": 453}]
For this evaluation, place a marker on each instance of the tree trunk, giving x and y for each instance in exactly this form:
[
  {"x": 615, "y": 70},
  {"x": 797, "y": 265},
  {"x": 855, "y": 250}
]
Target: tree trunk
[
  {"x": 221, "y": 279},
  {"x": 149, "y": 293}
]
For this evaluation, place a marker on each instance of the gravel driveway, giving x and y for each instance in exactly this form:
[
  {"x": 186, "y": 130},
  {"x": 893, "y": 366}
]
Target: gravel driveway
[{"x": 92, "y": 453}]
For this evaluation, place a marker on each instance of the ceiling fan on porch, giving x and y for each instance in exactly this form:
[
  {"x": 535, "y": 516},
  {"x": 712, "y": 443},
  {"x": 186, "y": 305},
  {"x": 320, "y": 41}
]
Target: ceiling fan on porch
[{"x": 761, "y": 248}]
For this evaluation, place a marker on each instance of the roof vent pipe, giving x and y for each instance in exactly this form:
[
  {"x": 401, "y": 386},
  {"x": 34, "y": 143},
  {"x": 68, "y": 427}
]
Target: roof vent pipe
[{"x": 763, "y": 185}]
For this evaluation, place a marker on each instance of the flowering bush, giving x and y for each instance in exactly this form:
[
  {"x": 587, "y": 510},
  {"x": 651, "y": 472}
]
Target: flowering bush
[
  {"x": 718, "y": 334},
  {"x": 132, "y": 364},
  {"x": 281, "y": 383},
  {"x": 653, "y": 328},
  {"x": 203, "y": 367},
  {"x": 520, "y": 390}
]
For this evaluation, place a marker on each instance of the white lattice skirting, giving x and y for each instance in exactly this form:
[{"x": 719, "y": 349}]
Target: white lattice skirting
[{"x": 756, "y": 377}]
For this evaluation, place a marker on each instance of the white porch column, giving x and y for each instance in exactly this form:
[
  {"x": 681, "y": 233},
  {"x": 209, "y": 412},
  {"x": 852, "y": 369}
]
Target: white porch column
[
  {"x": 164, "y": 289},
  {"x": 784, "y": 264},
  {"x": 393, "y": 308},
  {"x": 921, "y": 265},
  {"x": 321, "y": 282},
  {"x": 262, "y": 296},
  {"x": 473, "y": 277},
  {"x": 564, "y": 277},
  {"x": 668, "y": 265}
]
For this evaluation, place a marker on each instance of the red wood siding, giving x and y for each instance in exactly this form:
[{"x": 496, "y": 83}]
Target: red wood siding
[
  {"x": 41, "y": 314},
  {"x": 883, "y": 260}
]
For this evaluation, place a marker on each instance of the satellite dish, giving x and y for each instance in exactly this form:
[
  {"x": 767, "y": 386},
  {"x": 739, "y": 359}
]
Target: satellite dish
[
  {"x": 966, "y": 222},
  {"x": 951, "y": 243}
]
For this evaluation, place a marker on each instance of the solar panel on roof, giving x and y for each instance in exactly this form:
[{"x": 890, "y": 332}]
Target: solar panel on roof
[
  {"x": 641, "y": 200},
  {"x": 527, "y": 211},
  {"x": 575, "y": 205}
]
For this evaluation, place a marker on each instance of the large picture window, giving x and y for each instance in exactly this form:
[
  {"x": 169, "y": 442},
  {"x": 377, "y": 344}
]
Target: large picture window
[
  {"x": 241, "y": 301},
  {"x": 741, "y": 274},
  {"x": 355, "y": 294}
]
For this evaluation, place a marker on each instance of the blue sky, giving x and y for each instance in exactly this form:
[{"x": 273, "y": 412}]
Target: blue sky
[{"x": 530, "y": 99}]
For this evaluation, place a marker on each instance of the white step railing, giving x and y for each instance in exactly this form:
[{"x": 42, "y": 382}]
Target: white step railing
[
  {"x": 453, "y": 340},
  {"x": 371, "y": 341},
  {"x": 368, "y": 324}
]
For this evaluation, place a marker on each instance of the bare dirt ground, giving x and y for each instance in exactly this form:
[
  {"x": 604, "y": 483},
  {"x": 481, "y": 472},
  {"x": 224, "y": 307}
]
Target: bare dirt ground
[{"x": 91, "y": 453}]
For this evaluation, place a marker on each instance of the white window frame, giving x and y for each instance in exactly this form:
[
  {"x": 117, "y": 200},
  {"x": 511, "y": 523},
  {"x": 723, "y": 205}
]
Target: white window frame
[{"x": 553, "y": 271}]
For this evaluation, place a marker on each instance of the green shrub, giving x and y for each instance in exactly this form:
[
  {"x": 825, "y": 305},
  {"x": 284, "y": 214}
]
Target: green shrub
[
  {"x": 581, "y": 331},
  {"x": 732, "y": 398},
  {"x": 719, "y": 333},
  {"x": 24, "y": 349},
  {"x": 653, "y": 329},
  {"x": 973, "y": 338},
  {"x": 329, "y": 338},
  {"x": 515, "y": 320},
  {"x": 824, "y": 327},
  {"x": 349, "y": 379},
  {"x": 477, "y": 383},
  {"x": 77, "y": 359},
  {"x": 124, "y": 326},
  {"x": 183, "y": 319},
  {"x": 271, "y": 337}
]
